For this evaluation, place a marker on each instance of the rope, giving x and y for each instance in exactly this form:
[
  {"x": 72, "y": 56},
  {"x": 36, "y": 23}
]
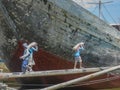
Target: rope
[
  {"x": 104, "y": 17},
  {"x": 109, "y": 13},
  {"x": 95, "y": 9}
]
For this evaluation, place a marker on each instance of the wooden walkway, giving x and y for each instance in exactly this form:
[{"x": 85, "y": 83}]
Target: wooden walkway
[
  {"x": 50, "y": 72},
  {"x": 97, "y": 72}
]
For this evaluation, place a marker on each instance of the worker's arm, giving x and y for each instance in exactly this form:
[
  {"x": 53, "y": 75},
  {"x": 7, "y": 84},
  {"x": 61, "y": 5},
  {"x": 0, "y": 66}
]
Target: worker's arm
[
  {"x": 33, "y": 44},
  {"x": 35, "y": 48},
  {"x": 25, "y": 55}
]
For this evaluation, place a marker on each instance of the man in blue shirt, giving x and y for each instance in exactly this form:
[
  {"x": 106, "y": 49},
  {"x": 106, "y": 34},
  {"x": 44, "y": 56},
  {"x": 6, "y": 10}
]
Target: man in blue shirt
[
  {"x": 78, "y": 49},
  {"x": 27, "y": 57}
]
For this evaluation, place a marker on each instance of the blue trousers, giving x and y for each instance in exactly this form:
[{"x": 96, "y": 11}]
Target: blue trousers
[{"x": 24, "y": 65}]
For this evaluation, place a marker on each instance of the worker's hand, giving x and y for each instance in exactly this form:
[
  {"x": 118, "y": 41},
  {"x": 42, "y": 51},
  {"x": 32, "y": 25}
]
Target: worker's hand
[
  {"x": 21, "y": 57},
  {"x": 32, "y": 44}
]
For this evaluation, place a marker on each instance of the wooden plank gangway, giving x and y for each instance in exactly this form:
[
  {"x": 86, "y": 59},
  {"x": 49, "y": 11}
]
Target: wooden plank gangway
[{"x": 50, "y": 72}]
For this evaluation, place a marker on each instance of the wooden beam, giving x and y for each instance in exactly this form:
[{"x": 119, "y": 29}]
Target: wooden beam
[
  {"x": 50, "y": 72},
  {"x": 78, "y": 80}
]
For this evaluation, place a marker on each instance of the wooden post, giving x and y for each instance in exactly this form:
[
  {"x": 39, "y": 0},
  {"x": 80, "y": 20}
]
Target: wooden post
[
  {"x": 49, "y": 73},
  {"x": 87, "y": 77},
  {"x": 1, "y": 70},
  {"x": 3, "y": 86}
]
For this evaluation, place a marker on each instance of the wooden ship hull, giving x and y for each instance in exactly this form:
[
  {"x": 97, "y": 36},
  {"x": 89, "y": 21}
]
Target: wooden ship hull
[{"x": 57, "y": 25}]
